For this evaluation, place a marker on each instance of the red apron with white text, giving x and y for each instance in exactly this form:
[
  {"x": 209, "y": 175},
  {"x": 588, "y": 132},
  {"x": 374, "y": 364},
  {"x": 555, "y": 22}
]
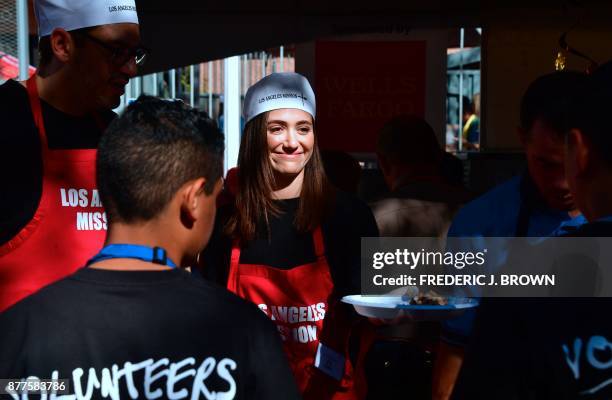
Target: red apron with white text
[
  {"x": 301, "y": 304},
  {"x": 69, "y": 225}
]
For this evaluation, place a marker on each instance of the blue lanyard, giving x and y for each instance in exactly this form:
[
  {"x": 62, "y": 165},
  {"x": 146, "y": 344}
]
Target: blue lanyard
[{"x": 155, "y": 255}]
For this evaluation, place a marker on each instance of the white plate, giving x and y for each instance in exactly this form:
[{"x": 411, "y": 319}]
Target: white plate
[{"x": 399, "y": 307}]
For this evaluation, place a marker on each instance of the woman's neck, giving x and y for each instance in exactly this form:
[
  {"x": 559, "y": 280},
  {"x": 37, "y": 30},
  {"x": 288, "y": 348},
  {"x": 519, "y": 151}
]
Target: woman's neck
[{"x": 288, "y": 187}]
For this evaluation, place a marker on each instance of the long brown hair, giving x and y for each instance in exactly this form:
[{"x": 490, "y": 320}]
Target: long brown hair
[{"x": 254, "y": 201}]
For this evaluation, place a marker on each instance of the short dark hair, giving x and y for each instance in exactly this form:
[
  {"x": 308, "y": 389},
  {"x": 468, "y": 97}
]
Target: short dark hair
[
  {"x": 549, "y": 99},
  {"x": 591, "y": 111},
  {"x": 408, "y": 139},
  {"x": 150, "y": 151}
]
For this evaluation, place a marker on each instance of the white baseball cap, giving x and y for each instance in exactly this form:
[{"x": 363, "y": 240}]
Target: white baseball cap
[
  {"x": 279, "y": 90},
  {"x": 77, "y": 14}
]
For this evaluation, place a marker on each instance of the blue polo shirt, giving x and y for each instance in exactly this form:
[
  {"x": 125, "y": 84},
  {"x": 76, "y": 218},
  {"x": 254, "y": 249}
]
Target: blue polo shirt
[{"x": 510, "y": 209}]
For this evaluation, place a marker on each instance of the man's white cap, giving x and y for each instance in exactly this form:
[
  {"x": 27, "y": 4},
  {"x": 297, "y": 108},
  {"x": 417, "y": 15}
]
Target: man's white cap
[
  {"x": 77, "y": 14},
  {"x": 279, "y": 90}
]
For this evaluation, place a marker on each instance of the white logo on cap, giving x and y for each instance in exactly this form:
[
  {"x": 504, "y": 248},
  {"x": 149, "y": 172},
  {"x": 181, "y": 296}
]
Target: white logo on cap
[
  {"x": 301, "y": 96},
  {"x": 121, "y": 8},
  {"x": 283, "y": 96}
]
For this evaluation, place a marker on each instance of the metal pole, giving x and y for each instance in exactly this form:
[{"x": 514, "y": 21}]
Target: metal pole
[
  {"x": 461, "y": 46},
  {"x": 191, "y": 86},
  {"x": 263, "y": 64},
  {"x": 129, "y": 92},
  {"x": 138, "y": 87},
  {"x": 173, "y": 83},
  {"x": 231, "y": 111},
  {"x": 282, "y": 59},
  {"x": 244, "y": 84},
  {"x": 210, "y": 89},
  {"x": 252, "y": 72},
  {"x": 155, "y": 88},
  {"x": 23, "y": 50}
]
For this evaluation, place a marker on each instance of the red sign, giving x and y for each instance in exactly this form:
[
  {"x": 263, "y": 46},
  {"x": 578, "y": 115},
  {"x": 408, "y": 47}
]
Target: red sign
[{"x": 361, "y": 85}]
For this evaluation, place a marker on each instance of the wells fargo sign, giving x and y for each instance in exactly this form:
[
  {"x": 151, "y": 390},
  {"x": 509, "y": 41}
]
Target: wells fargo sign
[{"x": 361, "y": 85}]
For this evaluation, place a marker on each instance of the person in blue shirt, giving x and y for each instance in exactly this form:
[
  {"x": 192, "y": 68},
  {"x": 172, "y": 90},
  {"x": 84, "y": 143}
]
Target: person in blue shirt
[
  {"x": 536, "y": 203},
  {"x": 558, "y": 348}
]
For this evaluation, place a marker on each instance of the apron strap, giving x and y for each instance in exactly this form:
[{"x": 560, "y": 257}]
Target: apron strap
[
  {"x": 32, "y": 88},
  {"x": 317, "y": 238},
  {"x": 235, "y": 259},
  {"x": 232, "y": 278}
]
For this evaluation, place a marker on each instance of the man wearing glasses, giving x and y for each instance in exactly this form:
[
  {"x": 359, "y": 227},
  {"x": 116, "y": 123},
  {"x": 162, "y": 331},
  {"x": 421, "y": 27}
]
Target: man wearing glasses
[{"x": 50, "y": 210}]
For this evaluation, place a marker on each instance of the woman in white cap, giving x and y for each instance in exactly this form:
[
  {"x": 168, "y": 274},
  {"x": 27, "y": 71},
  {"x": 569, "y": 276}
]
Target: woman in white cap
[{"x": 291, "y": 242}]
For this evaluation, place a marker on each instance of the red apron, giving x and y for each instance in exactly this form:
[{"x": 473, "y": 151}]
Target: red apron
[
  {"x": 69, "y": 225},
  {"x": 301, "y": 304}
]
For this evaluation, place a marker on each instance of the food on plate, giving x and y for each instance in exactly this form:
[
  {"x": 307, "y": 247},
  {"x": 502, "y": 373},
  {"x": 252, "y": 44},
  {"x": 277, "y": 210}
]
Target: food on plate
[{"x": 430, "y": 298}]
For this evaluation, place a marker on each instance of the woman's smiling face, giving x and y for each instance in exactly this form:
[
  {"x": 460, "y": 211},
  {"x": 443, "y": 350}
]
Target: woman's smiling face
[{"x": 290, "y": 137}]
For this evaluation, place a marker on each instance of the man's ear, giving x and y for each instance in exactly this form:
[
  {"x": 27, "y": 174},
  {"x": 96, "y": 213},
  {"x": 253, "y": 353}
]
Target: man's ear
[
  {"x": 191, "y": 198},
  {"x": 579, "y": 149},
  {"x": 62, "y": 44}
]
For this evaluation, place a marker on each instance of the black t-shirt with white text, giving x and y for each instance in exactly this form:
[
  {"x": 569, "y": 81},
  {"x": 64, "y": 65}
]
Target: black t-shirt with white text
[{"x": 145, "y": 334}]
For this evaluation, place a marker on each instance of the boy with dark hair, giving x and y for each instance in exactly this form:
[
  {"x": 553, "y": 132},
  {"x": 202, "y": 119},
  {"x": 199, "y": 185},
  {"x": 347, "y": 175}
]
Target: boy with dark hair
[{"x": 139, "y": 324}]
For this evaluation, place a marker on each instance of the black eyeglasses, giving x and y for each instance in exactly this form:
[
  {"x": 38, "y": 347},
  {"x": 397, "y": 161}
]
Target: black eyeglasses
[{"x": 121, "y": 55}]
